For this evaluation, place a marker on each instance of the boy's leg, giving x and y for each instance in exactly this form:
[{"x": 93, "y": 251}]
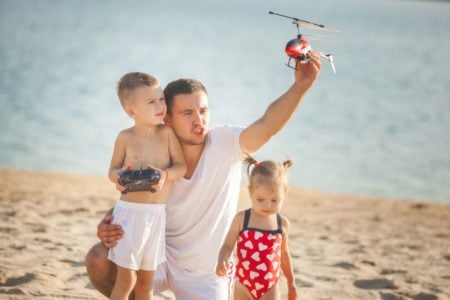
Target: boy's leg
[
  {"x": 101, "y": 271},
  {"x": 143, "y": 289},
  {"x": 125, "y": 281}
]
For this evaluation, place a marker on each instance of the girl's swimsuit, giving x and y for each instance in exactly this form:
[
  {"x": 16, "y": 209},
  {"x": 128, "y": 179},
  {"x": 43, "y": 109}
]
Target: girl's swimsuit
[{"x": 259, "y": 257}]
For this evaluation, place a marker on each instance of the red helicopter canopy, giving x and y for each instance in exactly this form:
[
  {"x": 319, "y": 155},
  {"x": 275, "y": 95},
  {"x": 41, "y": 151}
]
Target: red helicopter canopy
[{"x": 297, "y": 47}]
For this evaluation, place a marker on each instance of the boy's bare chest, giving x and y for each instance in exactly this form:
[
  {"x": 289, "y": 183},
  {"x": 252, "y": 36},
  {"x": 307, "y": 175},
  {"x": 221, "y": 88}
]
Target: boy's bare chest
[{"x": 153, "y": 151}]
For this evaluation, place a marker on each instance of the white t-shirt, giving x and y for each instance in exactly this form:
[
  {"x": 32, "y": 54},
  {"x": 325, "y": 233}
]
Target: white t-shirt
[{"x": 200, "y": 209}]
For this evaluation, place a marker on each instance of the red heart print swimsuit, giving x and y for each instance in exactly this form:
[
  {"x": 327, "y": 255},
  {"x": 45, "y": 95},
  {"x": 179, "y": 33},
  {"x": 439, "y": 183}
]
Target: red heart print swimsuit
[{"x": 259, "y": 257}]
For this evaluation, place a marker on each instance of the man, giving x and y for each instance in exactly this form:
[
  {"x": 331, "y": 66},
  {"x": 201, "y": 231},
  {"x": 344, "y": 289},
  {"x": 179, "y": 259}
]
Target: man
[{"x": 201, "y": 205}]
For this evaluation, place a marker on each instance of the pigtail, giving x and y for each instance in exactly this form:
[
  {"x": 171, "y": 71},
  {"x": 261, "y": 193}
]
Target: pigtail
[
  {"x": 249, "y": 161},
  {"x": 275, "y": 173},
  {"x": 287, "y": 164}
]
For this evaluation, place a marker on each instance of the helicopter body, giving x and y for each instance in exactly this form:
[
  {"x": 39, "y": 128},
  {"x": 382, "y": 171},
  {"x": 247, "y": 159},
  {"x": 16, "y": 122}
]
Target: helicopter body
[{"x": 298, "y": 49}]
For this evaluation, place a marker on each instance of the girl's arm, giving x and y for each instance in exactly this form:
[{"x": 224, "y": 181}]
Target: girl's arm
[
  {"x": 225, "y": 252},
  {"x": 286, "y": 262}
]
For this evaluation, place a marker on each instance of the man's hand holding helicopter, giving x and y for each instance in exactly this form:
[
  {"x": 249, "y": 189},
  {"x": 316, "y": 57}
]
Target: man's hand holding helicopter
[{"x": 307, "y": 73}]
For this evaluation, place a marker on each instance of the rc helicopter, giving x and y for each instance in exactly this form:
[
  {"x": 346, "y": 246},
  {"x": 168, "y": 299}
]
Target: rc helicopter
[{"x": 298, "y": 49}]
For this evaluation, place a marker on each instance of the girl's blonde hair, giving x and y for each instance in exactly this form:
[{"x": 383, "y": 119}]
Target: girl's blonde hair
[{"x": 268, "y": 172}]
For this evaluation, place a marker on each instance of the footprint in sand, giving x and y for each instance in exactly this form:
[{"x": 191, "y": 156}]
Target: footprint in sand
[
  {"x": 392, "y": 271},
  {"x": 9, "y": 230},
  {"x": 375, "y": 284},
  {"x": 73, "y": 211},
  {"x": 419, "y": 206},
  {"x": 389, "y": 296},
  {"x": 326, "y": 278},
  {"x": 19, "y": 280},
  {"x": 424, "y": 296},
  {"x": 73, "y": 263},
  {"x": 18, "y": 247},
  {"x": 345, "y": 265},
  {"x": 12, "y": 292},
  {"x": 78, "y": 276},
  {"x": 369, "y": 262},
  {"x": 303, "y": 284},
  {"x": 11, "y": 213}
]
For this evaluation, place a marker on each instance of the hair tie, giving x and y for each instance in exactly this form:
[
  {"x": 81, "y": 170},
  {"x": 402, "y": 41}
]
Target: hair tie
[{"x": 256, "y": 163}]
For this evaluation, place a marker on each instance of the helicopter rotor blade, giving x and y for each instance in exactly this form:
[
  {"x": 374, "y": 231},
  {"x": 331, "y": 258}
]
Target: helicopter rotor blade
[
  {"x": 300, "y": 22},
  {"x": 313, "y": 37},
  {"x": 296, "y": 19},
  {"x": 329, "y": 37},
  {"x": 313, "y": 26}
]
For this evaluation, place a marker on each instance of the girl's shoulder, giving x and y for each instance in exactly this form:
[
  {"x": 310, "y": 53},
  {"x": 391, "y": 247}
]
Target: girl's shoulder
[
  {"x": 238, "y": 220},
  {"x": 284, "y": 223},
  {"x": 240, "y": 215}
]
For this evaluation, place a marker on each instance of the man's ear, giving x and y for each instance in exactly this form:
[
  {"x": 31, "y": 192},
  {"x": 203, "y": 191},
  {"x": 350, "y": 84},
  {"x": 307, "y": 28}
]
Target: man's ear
[{"x": 167, "y": 120}]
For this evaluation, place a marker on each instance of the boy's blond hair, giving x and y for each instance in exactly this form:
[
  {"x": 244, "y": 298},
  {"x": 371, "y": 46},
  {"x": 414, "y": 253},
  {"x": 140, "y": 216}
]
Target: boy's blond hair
[{"x": 131, "y": 81}]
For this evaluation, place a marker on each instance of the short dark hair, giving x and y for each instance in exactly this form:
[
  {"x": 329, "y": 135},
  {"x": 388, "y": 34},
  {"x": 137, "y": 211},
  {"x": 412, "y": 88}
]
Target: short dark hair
[{"x": 181, "y": 86}]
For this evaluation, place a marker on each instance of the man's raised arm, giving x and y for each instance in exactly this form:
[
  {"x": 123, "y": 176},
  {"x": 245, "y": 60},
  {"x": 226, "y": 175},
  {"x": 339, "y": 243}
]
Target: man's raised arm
[{"x": 278, "y": 113}]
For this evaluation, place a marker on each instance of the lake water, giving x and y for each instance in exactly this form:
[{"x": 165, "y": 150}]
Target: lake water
[{"x": 378, "y": 127}]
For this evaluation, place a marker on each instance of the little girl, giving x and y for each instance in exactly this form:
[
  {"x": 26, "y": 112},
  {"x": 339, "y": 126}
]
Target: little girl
[{"x": 262, "y": 236}]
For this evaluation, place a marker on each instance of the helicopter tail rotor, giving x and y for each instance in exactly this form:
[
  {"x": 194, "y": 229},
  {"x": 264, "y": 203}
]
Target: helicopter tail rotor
[{"x": 330, "y": 59}]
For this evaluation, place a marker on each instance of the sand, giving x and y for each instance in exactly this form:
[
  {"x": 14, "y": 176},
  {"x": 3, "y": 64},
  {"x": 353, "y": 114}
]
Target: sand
[{"x": 343, "y": 247}]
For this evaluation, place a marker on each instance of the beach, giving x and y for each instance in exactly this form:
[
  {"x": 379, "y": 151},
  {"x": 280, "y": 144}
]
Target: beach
[{"x": 343, "y": 246}]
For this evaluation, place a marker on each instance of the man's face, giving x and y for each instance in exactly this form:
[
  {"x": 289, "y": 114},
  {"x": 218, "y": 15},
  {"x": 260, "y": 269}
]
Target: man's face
[{"x": 190, "y": 117}]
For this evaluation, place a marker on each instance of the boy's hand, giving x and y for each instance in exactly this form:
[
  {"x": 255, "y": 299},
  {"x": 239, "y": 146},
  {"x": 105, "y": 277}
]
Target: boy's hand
[
  {"x": 109, "y": 233},
  {"x": 222, "y": 268},
  {"x": 292, "y": 292},
  {"x": 119, "y": 187},
  {"x": 162, "y": 180}
]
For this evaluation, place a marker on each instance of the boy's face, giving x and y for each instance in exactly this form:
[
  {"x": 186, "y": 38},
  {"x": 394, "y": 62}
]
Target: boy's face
[
  {"x": 190, "y": 117},
  {"x": 147, "y": 105}
]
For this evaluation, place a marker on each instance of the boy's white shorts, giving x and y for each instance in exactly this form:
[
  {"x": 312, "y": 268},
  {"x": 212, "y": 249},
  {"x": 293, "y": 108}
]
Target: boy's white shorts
[{"x": 143, "y": 244}]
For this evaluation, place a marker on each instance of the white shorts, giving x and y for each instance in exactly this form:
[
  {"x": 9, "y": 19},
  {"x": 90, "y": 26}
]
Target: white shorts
[
  {"x": 143, "y": 244},
  {"x": 189, "y": 286}
]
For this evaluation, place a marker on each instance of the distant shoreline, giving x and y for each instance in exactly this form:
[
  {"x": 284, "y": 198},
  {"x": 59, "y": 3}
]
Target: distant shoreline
[{"x": 439, "y": 201}]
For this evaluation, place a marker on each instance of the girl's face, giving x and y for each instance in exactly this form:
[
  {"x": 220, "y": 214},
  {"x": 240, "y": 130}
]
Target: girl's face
[{"x": 266, "y": 200}]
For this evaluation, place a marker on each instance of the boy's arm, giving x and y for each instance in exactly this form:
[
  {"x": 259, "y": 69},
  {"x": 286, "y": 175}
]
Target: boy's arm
[
  {"x": 228, "y": 246},
  {"x": 117, "y": 159},
  {"x": 278, "y": 113},
  {"x": 178, "y": 167},
  {"x": 286, "y": 262}
]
